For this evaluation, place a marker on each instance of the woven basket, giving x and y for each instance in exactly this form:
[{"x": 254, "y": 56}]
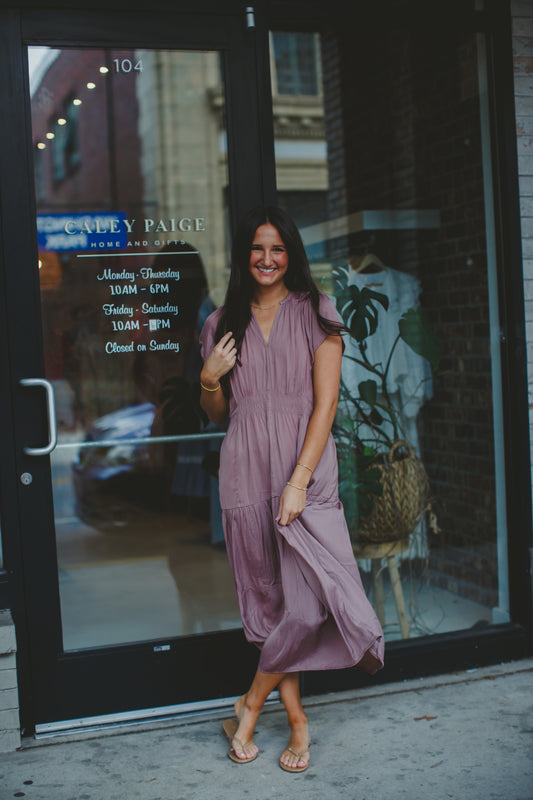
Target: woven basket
[{"x": 404, "y": 499}]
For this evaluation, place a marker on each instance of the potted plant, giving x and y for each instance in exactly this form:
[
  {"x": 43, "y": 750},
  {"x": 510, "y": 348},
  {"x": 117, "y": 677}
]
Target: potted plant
[{"x": 383, "y": 486}]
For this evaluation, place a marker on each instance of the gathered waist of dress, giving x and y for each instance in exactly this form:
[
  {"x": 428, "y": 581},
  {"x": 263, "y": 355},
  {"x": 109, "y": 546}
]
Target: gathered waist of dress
[{"x": 270, "y": 402}]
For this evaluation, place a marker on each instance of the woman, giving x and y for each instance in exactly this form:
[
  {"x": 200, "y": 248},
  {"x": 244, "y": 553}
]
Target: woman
[{"x": 272, "y": 360}]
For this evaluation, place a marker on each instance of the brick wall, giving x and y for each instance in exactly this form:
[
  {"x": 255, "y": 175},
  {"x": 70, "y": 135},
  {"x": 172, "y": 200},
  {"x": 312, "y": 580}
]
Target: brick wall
[
  {"x": 522, "y": 15},
  {"x": 9, "y": 704}
]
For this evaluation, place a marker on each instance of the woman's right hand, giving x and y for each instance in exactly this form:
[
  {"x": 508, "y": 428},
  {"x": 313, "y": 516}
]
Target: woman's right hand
[{"x": 221, "y": 359}]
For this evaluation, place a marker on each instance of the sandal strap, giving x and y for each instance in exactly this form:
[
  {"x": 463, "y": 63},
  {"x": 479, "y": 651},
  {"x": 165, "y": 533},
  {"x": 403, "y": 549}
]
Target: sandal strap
[
  {"x": 241, "y": 745},
  {"x": 303, "y": 753}
]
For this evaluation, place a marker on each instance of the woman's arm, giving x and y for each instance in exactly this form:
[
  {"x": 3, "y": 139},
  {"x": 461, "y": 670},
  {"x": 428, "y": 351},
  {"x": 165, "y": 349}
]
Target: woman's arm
[
  {"x": 219, "y": 362},
  {"x": 326, "y": 381}
]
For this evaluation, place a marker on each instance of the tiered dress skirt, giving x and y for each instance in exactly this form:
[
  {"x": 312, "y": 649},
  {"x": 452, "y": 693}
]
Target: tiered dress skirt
[{"x": 298, "y": 586}]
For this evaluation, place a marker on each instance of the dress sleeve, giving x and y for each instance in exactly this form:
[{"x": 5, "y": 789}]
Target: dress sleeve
[
  {"x": 207, "y": 334},
  {"x": 328, "y": 311}
]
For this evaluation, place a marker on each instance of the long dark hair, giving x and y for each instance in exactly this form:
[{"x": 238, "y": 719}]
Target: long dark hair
[{"x": 236, "y": 312}]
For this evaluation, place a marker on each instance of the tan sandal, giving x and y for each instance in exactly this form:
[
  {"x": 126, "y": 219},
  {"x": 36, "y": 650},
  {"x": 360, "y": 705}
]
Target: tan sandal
[
  {"x": 299, "y": 755},
  {"x": 229, "y": 727}
]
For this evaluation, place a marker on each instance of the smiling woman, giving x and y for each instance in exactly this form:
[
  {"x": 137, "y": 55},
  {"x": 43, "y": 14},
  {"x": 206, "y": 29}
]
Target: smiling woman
[{"x": 284, "y": 526}]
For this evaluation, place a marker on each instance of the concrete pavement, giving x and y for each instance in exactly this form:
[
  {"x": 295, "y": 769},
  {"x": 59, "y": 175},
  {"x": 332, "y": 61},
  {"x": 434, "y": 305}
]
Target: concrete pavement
[{"x": 465, "y": 736}]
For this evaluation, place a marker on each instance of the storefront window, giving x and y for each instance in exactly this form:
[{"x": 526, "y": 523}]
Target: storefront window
[
  {"x": 132, "y": 190},
  {"x": 396, "y": 143}
]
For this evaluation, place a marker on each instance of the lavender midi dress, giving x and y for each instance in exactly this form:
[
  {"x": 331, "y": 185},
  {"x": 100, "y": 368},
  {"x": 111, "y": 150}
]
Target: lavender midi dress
[{"x": 298, "y": 586}]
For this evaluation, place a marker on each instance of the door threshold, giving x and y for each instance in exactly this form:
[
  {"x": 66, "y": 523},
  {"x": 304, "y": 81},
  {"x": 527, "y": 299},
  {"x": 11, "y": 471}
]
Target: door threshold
[{"x": 138, "y": 717}]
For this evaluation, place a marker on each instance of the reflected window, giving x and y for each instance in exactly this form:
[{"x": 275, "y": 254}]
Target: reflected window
[
  {"x": 71, "y": 142},
  {"x": 296, "y": 63},
  {"x": 65, "y": 140},
  {"x": 58, "y": 147},
  {"x": 39, "y": 172}
]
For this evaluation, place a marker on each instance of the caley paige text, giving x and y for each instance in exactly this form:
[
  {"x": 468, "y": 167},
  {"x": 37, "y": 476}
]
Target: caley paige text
[{"x": 113, "y": 225}]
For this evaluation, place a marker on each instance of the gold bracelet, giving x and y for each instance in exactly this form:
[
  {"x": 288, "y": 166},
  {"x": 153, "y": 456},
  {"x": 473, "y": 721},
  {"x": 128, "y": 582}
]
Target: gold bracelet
[
  {"x": 210, "y": 390},
  {"x": 299, "y": 464},
  {"x": 301, "y": 488}
]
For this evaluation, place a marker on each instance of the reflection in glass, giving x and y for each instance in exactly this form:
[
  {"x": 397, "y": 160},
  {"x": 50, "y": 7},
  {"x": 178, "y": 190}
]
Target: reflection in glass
[
  {"x": 131, "y": 188},
  {"x": 296, "y": 63},
  {"x": 383, "y": 166}
]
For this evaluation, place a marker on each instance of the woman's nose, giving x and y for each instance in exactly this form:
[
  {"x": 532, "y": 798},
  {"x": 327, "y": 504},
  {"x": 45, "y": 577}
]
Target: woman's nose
[{"x": 267, "y": 258}]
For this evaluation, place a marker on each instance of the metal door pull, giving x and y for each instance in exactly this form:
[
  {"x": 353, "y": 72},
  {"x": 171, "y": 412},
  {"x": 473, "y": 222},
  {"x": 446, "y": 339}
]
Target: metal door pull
[{"x": 51, "y": 409}]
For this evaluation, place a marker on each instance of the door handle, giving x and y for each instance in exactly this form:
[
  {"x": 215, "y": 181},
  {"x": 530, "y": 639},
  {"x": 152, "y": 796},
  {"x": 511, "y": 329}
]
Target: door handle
[{"x": 51, "y": 409}]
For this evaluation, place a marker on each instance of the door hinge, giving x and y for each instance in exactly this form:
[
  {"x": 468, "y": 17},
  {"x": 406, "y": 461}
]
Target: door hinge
[{"x": 250, "y": 17}]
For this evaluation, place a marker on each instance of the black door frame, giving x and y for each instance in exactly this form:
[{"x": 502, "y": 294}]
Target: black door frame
[{"x": 56, "y": 686}]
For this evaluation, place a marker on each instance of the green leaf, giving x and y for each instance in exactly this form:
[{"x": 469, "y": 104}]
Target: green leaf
[
  {"x": 368, "y": 391},
  {"x": 360, "y": 483},
  {"x": 347, "y": 424},
  {"x": 340, "y": 278},
  {"x": 417, "y": 334},
  {"x": 358, "y": 307},
  {"x": 376, "y": 417}
]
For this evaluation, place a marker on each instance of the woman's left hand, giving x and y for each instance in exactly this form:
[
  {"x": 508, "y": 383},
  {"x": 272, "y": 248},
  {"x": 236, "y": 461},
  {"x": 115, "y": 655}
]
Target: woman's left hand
[{"x": 291, "y": 505}]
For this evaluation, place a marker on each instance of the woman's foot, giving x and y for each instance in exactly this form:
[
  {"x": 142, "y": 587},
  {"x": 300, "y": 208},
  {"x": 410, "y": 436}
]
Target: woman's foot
[
  {"x": 295, "y": 758},
  {"x": 238, "y": 751},
  {"x": 243, "y": 743}
]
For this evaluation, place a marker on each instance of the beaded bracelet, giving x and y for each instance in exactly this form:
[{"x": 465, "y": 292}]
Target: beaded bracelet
[
  {"x": 299, "y": 464},
  {"x": 301, "y": 488},
  {"x": 210, "y": 390}
]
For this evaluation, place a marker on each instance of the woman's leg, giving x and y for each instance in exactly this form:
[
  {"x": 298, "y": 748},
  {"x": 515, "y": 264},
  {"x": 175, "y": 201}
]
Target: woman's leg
[
  {"x": 289, "y": 689},
  {"x": 248, "y": 707}
]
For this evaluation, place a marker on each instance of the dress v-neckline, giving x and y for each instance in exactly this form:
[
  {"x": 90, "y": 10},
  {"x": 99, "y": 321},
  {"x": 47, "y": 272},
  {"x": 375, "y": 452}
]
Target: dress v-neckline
[{"x": 266, "y": 342}]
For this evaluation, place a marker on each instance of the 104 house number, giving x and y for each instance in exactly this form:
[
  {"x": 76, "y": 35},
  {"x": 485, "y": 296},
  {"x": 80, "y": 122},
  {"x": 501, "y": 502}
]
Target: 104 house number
[{"x": 127, "y": 65}]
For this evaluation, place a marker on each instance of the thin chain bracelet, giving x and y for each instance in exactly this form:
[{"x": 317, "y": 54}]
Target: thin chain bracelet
[
  {"x": 210, "y": 390},
  {"x": 299, "y": 464},
  {"x": 301, "y": 488}
]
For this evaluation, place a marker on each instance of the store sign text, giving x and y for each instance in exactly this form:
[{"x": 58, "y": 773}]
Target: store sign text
[
  {"x": 91, "y": 224},
  {"x": 107, "y": 230}
]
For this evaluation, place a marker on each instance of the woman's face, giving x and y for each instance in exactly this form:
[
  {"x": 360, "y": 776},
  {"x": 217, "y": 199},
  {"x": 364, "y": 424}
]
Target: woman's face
[{"x": 269, "y": 260}]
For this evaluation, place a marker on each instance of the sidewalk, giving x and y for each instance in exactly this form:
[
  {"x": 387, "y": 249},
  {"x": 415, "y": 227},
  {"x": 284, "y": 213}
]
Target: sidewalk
[{"x": 465, "y": 736}]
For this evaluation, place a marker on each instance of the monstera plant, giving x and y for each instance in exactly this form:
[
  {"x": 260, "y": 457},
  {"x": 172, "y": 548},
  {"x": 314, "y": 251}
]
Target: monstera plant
[{"x": 371, "y": 408}]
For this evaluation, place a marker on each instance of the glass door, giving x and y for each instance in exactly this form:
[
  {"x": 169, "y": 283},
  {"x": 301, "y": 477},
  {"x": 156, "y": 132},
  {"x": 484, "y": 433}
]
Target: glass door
[
  {"x": 134, "y": 189},
  {"x": 132, "y": 220}
]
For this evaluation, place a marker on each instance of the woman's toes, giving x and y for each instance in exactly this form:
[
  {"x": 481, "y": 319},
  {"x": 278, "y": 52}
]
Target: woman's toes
[
  {"x": 289, "y": 759},
  {"x": 239, "y": 751}
]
